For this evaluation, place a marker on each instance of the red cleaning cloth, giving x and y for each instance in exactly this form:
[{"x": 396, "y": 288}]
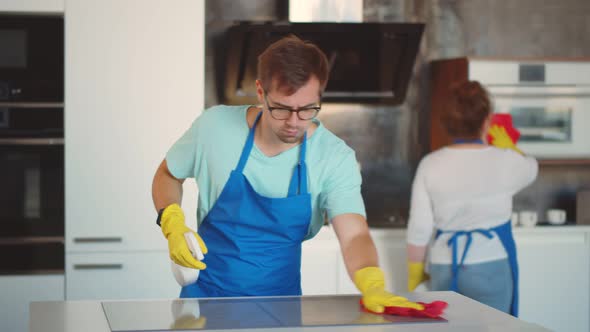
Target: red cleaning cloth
[
  {"x": 431, "y": 310},
  {"x": 504, "y": 120}
]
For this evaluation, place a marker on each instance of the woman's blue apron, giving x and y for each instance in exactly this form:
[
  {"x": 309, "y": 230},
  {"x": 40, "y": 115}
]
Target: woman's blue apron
[
  {"x": 504, "y": 233},
  {"x": 254, "y": 241}
]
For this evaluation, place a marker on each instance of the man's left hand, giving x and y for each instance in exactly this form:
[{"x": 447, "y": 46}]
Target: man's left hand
[{"x": 371, "y": 282}]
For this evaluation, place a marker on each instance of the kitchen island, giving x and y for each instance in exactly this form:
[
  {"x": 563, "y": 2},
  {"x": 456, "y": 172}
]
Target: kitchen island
[{"x": 462, "y": 314}]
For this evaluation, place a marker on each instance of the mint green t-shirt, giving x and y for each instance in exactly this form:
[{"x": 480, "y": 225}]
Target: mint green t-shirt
[{"x": 210, "y": 149}]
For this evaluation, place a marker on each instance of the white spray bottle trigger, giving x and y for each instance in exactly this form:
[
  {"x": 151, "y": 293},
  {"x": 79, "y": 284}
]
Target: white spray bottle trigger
[{"x": 186, "y": 275}]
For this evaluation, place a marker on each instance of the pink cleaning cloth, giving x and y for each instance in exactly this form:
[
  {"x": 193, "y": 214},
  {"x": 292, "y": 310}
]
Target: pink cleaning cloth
[
  {"x": 504, "y": 120},
  {"x": 431, "y": 310}
]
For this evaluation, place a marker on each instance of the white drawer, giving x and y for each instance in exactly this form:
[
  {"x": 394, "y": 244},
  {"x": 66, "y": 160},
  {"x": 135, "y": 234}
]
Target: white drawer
[{"x": 119, "y": 275}]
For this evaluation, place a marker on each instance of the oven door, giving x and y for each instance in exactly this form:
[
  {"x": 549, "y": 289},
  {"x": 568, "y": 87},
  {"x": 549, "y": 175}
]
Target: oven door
[
  {"x": 32, "y": 195},
  {"x": 554, "y": 122},
  {"x": 32, "y": 206}
]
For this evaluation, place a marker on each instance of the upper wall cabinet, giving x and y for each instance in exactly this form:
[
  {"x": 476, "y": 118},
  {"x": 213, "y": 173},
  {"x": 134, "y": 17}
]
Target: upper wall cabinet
[
  {"x": 32, "y": 6},
  {"x": 134, "y": 84}
]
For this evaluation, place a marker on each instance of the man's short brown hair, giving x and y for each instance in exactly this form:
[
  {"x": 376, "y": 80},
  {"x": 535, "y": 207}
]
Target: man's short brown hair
[
  {"x": 468, "y": 108},
  {"x": 289, "y": 63}
]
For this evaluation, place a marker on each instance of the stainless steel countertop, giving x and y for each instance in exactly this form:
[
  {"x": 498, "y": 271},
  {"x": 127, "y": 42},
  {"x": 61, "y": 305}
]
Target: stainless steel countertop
[{"x": 463, "y": 314}]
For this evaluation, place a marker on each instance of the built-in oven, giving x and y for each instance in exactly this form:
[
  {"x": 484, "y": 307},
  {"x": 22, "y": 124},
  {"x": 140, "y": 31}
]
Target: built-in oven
[
  {"x": 32, "y": 190},
  {"x": 549, "y": 102},
  {"x": 31, "y": 145}
]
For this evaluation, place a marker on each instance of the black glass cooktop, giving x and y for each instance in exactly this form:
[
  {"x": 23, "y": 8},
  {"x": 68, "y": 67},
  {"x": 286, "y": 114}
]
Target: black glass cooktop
[{"x": 245, "y": 313}]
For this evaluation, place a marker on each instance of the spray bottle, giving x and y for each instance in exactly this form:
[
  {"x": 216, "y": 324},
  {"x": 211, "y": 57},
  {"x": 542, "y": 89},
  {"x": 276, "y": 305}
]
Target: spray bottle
[{"x": 186, "y": 275}]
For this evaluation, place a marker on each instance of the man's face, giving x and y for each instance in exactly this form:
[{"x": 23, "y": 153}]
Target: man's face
[{"x": 291, "y": 129}]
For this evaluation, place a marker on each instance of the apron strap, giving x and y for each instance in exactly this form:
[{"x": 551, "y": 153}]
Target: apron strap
[
  {"x": 452, "y": 242},
  {"x": 248, "y": 146},
  {"x": 504, "y": 232},
  {"x": 299, "y": 177}
]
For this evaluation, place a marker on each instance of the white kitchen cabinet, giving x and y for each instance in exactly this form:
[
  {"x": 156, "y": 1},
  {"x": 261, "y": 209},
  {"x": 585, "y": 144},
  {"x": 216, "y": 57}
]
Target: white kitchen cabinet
[
  {"x": 134, "y": 83},
  {"x": 391, "y": 248},
  {"x": 32, "y": 6},
  {"x": 555, "y": 280},
  {"x": 319, "y": 264},
  {"x": 132, "y": 275},
  {"x": 323, "y": 270},
  {"x": 18, "y": 291},
  {"x": 345, "y": 284}
]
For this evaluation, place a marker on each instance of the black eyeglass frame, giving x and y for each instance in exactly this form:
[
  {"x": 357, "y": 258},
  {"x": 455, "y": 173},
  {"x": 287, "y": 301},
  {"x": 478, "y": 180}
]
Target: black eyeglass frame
[{"x": 272, "y": 108}]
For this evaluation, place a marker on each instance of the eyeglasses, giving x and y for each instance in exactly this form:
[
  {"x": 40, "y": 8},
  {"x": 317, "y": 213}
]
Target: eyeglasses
[{"x": 283, "y": 113}]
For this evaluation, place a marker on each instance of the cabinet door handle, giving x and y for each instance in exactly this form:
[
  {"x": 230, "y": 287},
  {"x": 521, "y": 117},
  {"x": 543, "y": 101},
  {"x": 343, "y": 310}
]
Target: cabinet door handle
[
  {"x": 97, "y": 239},
  {"x": 28, "y": 240},
  {"x": 98, "y": 266},
  {"x": 32, "y": 141}
]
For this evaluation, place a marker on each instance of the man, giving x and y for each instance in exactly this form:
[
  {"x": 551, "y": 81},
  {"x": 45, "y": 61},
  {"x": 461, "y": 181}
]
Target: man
[{"x": 267, "y": 176}]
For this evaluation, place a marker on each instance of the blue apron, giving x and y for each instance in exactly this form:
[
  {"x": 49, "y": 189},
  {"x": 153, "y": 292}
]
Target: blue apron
[
  {"x": 254, "y": 241},
  {"x": 504, "y": 233}
]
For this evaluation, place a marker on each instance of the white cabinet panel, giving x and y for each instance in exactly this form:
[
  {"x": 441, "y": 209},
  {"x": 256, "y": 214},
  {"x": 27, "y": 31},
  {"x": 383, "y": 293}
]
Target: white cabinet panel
[
  {"x": 134, "y": 84},
  {"x": 32, "y": 6},
  {"x": 568, "y": 73},
  {"x": 19, "y": 291},
  {"x": 345, "y": 284},
  {"x": 137, "y": 275},
  {"x": 391, "y": 248},
  {"x": 493, "y": 72},
  {"x": 324, "y": 272},
  {"x": 319, "y": 265},
  {"x": 555, "y": 280}
]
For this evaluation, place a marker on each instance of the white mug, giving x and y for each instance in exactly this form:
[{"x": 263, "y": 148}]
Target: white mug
[
  {"x": 556, "y": 216},
  {"x": 527, "y": 218}
]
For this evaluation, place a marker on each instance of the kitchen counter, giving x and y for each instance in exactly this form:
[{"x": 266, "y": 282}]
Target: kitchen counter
[{"x": 463, "y": 314}]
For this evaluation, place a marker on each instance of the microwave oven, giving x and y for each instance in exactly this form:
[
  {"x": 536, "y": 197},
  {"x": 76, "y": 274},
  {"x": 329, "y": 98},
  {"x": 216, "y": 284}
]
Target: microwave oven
[
  {"x": 553, "y": 120},
  {"x": 31, "y": 58},
  {"x": 549, "y": 102}
]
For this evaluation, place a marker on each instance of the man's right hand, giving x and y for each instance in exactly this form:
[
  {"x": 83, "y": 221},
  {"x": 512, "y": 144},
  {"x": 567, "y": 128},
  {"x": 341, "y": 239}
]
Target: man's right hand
[{"x": 173, "y": 228}]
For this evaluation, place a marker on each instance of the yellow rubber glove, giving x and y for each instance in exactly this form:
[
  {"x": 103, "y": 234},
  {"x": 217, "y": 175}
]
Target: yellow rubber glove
[
  {"x": 371, "y": 282},
  {"x": 173, "y": 228},
  {"x": 416, "y": 275},
  {"x": 501, "y": 138}
]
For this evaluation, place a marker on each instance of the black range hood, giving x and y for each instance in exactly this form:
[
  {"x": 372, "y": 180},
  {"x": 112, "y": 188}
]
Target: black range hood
[{"x": 370, "y": 62}]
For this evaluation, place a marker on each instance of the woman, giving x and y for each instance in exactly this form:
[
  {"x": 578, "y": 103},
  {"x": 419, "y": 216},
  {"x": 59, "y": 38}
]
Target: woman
[{"x": 462, "y": 203}]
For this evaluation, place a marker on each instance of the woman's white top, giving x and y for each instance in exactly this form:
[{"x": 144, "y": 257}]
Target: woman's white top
[{"x": 465, "y": 189}]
